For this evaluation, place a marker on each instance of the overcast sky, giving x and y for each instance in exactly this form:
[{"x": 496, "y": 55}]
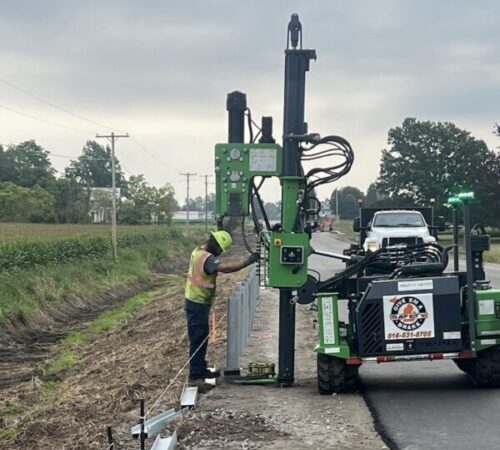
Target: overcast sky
[{"x": 160, "y": 70}]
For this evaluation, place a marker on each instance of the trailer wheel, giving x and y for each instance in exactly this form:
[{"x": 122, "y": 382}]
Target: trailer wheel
[
  {"x": 486, "y": 371},
  {"x": 334, "y": 375}
]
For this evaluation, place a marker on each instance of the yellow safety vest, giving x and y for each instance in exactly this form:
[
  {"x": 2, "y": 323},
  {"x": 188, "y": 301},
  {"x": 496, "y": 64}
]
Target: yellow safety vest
[{"x": 200, "y": 287}]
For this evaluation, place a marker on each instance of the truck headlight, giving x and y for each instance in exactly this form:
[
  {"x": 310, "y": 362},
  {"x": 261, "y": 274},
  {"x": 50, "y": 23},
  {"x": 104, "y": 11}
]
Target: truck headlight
[{"x": 373, "y": 246}]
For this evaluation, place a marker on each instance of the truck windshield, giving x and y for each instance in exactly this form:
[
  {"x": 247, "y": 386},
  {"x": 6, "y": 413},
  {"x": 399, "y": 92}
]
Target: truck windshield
[{"x": 398, "y": 219}]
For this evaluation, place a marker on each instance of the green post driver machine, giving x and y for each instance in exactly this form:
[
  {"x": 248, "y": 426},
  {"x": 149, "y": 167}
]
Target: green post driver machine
[{"x": 417, "y": 311}]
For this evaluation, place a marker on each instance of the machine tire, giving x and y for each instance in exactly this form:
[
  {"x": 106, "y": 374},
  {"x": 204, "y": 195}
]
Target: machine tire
[
  {"x": 486, "y": 371},
  {"x": 465, "y": 365},
  {"x": 335, "y": 376}
]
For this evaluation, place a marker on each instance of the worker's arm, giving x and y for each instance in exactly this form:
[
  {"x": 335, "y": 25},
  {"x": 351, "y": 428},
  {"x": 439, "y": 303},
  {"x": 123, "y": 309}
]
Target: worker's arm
[{"x": 229, "y": 267}]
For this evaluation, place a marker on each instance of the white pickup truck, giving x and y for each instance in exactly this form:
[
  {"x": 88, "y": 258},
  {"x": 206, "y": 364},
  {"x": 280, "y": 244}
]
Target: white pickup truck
[{"x": 392, "y": 227}]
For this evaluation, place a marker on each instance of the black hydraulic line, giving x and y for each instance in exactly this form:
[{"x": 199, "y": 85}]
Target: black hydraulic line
[
  {"x": 261, "y": 206},
  {"x": 331, "y": 255},
  {"x": 249, "y": 121},
  {"x": 244, "y": 236}
]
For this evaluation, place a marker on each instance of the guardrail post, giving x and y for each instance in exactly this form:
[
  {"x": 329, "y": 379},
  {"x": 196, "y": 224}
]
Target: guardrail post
[
  {"x": 232, "y": 357},
  {"x": 241, "y": 308}
]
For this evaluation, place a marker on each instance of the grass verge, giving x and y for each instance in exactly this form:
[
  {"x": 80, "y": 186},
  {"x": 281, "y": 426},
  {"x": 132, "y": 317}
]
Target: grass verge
[
  {"x": 71, "y": 346},
  {"x": 345, "y": 227},
  {"x": 24, "y": 293}
]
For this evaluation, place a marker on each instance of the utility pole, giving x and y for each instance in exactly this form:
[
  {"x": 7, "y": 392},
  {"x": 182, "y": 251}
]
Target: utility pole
[
  {"x": 112, "y": 138},
  {"x": 187, "y": 175},
  {"x": 337, "y": 205},
  {"x": 206, "y": 200}
]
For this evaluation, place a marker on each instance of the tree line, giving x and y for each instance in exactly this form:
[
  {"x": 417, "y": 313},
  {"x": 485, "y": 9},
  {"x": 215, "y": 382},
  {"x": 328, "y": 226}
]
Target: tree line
[
  {"x": 428, "y": 162},
  {"x": 31, "y": 190}
]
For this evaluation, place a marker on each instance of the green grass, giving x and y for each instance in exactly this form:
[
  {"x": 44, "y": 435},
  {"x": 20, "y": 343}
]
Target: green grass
[
  {"x": 12, "y": 409},
  {"x": 494, "y": 254},
  {"x": 49, "y": 387},
  {"x": 25, "y": 292},
  {"x": 8, "y": 433},
  {"x": 108, "y": 321},
  {"x": 35, "y": 231},
  {"x": 345, "y": 227}
]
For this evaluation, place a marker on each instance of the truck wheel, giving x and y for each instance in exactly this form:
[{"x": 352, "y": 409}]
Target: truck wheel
[
  {"x": 486, "y": 371},
  {"x": 334, "y": 375},
  {"x": 465, "y": 365}
]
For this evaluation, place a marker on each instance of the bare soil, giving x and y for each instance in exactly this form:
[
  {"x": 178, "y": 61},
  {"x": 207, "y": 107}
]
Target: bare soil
[{"x": 138, "y": 360}]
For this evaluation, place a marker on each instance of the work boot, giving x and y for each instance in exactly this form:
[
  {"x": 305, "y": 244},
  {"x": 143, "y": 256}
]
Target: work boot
[
  {"x": 210, "y": 374},
  {"x": 203, "y": 387}
]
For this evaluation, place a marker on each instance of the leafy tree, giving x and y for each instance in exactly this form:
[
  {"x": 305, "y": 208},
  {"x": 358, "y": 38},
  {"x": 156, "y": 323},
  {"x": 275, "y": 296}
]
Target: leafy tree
[
  {"x": 144, "y": 202},
  {"x": 21, "y": 204},
  {"x": 27, "y": 164},
  {"x": 5, "y": 165},
  {"x": 93, "y": 169},
  {"x": 70, "y": 201},
  {"x": 273, "y": 210},
  {"x": 371, "y": 195},
  {"x": 348, "y": 205},
  {"x": 195, "y": 204},
  {"x": 166, "y": 203},
  {"x": 435, "y": 160}
]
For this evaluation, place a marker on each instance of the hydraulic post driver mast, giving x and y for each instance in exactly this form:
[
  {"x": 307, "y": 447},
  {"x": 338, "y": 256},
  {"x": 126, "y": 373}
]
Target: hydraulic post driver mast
[
  {"x": 293, "y": 186},
  {"x": 284, "y": 247}
]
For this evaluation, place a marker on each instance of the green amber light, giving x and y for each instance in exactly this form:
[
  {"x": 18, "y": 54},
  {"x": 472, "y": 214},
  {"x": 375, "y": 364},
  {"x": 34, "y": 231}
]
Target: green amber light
[
  {"x": 454, "y": 201},
  {"x": 466, "y": 196}
]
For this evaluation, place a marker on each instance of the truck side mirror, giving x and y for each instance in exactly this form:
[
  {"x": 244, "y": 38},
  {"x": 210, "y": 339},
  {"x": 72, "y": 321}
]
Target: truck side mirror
[{"x": 356, "y": 225}]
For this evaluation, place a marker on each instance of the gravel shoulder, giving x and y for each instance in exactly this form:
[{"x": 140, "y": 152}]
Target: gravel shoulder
[{"x": 251, "y": 417}]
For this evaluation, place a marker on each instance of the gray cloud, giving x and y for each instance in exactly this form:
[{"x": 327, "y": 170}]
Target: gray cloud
[{"x": 161, "y": 70}]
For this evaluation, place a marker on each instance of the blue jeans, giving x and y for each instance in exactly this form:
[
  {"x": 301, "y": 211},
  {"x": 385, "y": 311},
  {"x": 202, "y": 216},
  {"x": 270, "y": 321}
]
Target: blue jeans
[{"x": 197, "y": 316}]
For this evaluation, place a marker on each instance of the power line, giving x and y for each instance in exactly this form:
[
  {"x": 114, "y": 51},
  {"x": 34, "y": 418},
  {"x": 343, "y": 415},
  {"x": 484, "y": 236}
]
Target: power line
[
  {"x": 150, "y": 153},
  {"x": 53, "y": 105},
  {"x": 45, "y": 121},
  {"x": 78, "y": 116}
]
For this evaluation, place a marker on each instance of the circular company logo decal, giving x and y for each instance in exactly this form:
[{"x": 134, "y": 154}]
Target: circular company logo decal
[{"x": 408, "y": 313}]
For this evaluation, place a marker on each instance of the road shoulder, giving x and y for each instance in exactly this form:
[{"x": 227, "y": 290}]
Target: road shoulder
[{"x": 251, "y": 417}]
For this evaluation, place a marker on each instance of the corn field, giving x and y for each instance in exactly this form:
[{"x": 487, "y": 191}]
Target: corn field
[{"x": 27, "y": 253}]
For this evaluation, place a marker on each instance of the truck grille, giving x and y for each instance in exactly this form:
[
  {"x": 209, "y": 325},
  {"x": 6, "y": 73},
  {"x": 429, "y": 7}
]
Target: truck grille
[{"x": 401, "y": 240}]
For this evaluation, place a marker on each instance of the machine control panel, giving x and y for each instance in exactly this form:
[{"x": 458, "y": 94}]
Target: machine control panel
[
  {"x": 235, "y": 166},
  {"x": 291, "y": 254}
]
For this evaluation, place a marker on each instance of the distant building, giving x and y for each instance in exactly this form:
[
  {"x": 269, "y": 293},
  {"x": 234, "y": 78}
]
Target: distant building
[
  {"x": 100, "y": 204},
  {"x": 193, "y": 215},
  {"x": 325, "y": 209}
]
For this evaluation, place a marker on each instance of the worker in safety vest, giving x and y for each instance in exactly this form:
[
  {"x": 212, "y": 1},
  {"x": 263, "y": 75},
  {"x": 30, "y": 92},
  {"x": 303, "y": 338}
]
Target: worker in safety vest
[{"x": 200, "y": 295}]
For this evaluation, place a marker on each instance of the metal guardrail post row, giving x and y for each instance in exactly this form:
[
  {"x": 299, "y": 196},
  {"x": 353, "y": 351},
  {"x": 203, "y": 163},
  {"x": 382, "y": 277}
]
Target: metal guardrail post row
[{"x": 240, "y": 316}]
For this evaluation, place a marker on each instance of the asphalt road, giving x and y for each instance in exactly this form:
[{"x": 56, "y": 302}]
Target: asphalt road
[{"x": 424, "y": 405}]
